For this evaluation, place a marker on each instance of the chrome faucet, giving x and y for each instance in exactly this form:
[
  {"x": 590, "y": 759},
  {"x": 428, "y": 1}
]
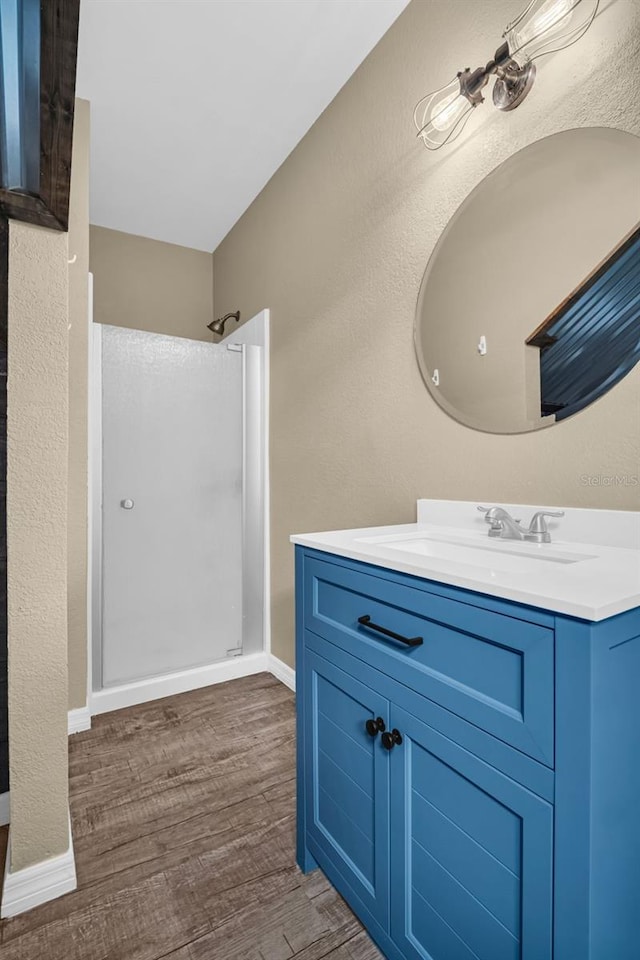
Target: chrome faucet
[
  {"x": 502, "y": 523},
  {"x": 504, "y": 526}
]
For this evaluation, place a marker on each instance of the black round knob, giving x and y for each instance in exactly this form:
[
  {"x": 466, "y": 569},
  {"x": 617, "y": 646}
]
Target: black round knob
[
  {"x": 374, "y": 727},
  {"x": 390, "y": 738}
]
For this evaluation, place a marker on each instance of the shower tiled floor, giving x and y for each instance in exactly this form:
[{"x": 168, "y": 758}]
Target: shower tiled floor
[{"x": 183, "y": 822}]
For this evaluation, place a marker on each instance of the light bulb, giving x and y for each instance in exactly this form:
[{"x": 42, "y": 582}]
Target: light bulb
[
  {"x": 440, "y": 116},
  {"x": 548, "y": 25},
  {"x": 450, "y": 110},
  {"x": 548, "y": 15}
]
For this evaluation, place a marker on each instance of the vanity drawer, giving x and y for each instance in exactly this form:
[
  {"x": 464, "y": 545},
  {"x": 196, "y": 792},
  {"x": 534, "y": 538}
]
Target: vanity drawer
[{"x": 492, "y": 669}]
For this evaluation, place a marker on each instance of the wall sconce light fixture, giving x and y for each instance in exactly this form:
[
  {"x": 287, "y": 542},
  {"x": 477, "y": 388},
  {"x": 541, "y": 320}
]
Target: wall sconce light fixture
[{"x": 545, "y": 26}]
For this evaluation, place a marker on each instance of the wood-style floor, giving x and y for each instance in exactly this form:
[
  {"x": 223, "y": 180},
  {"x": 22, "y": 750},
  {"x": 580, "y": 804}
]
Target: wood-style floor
[{"x": 183, "y": 824}]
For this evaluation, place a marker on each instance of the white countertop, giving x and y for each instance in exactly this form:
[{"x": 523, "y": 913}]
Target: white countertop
[{"x": 591, "y": 581}]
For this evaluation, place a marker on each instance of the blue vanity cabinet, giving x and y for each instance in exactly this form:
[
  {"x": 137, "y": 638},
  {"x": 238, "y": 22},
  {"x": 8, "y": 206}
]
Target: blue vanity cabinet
[
  {"x": 485, "y": 662},
  {"x": 347, "y": 781},
  {"x": 500, "y": 821},
  {"x": 471, "y": 854}
]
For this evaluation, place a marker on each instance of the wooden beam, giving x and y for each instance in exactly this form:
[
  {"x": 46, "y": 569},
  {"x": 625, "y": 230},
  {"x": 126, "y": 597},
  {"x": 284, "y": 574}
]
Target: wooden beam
[
  {"x": 58, "y": 57},
  {"x": 30, "y": 209}
]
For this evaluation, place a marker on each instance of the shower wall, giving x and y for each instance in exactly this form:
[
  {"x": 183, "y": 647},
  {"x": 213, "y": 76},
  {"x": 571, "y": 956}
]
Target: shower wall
[{"x": 172, "y": 440}]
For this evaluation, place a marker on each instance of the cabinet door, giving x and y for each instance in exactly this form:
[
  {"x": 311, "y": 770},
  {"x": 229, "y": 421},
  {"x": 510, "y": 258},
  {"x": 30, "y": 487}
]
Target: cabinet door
[
  {"x": 347, "y": 782},
  {"x": 471, "y": 854}
]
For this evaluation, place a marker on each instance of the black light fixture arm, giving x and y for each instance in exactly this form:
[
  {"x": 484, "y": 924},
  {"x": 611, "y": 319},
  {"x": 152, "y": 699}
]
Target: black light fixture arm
[
  {"x": 472, "y": 83},
  {"x": 513, "y": 82}
]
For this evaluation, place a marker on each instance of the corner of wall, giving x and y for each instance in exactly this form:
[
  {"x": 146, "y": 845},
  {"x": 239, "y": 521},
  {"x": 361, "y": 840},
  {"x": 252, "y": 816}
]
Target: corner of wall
[
  {"x": 77, "y": 508},
  {"x": 37, "y": 471}
]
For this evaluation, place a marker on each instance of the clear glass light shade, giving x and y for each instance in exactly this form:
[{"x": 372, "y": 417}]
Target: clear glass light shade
[
  {"x": 440, "y": 116},
  {"x": 548, "y": 25}
]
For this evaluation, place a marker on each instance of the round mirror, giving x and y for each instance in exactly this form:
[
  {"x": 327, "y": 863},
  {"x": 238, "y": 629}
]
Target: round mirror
[{"x": 529, "y": 309}]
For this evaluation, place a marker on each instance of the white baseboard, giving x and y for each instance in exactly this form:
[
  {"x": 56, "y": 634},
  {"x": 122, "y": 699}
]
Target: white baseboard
[
  {"x": 142, "y": 691},
  {"x": 39, "y": 883},
  {"x": 79, "y": 720},
  {"x": 4, "y": 809},
  {"x": 282, "y": 672},
  {"x": 115, "y": 698}
]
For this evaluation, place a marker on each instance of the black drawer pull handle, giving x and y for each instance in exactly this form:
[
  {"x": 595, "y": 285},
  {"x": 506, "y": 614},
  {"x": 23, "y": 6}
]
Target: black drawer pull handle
[{"x": 410, "y": 641}]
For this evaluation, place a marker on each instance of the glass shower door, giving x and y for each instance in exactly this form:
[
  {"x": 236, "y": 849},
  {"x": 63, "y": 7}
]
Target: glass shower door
[{"x": 172, "y": 437}]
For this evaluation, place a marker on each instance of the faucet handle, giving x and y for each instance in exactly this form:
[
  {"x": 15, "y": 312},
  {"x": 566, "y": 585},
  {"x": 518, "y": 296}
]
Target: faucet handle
[
  {"x": 538, "y": 526},
  {"x": 494, "y": 514},
  {"x": 491, "y": 512}
]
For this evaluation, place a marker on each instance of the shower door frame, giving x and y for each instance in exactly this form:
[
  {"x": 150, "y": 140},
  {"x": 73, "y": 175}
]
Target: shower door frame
[{"x": 252, "y": 338}]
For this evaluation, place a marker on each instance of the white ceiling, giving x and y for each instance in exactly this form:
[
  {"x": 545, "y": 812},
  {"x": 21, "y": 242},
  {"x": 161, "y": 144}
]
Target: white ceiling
[{"x": 196, "y": 103}]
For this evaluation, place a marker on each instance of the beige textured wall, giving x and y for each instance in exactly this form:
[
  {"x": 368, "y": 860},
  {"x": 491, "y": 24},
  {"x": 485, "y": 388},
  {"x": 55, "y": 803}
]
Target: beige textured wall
[
  {"x": 78, "y": 347},
  {"x": 37, "y": 428},
  {"x": 150, "y": 285},
  {"x": 336, "y": 245}
]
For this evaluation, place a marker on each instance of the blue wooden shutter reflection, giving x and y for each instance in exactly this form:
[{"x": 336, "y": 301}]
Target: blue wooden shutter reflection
[
  {"x": 597, "y": 338},
  {"x": 20, "y": 95}
]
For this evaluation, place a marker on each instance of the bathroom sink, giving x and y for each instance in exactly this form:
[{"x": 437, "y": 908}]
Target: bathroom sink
[
  {"x": 506, "y": 556},
  {"x": 589, "y": 570}
]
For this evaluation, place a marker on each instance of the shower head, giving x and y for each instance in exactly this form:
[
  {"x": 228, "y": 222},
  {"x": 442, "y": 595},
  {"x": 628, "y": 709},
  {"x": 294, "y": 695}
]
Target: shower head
[{"x": 217, "y": 326}]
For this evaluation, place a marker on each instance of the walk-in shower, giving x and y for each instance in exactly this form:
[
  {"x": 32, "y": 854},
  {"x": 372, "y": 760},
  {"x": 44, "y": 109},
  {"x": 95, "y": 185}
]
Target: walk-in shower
[{"x": 178, "y": 598}]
